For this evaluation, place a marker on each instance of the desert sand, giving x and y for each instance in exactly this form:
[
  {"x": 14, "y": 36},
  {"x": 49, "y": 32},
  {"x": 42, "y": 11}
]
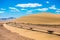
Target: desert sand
[
  {"x": 32, "y": 34},
  {"x": 8, "y": 35},
  {"x": 42, "y": 18}
]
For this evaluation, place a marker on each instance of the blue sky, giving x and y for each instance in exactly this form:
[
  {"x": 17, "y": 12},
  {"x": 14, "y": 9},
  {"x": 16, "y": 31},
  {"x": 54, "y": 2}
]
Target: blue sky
[{"x": 18, "y": 8}]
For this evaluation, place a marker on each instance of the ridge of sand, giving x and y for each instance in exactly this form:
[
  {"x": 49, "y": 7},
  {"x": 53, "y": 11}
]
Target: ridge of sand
[{"x": 42, "y": 18}]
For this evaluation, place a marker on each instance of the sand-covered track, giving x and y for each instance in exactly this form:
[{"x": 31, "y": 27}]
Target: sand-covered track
[
  {"x": 45, "y": 28},
  {"x": 41, "y": 25},
  {"x": 32, "y": 34}
]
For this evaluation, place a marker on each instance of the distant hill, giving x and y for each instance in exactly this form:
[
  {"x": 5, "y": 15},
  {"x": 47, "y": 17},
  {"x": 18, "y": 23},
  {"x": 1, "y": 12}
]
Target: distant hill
[
  {"x": 9, "y": 18},
  {"x": 42, "y": 18}
]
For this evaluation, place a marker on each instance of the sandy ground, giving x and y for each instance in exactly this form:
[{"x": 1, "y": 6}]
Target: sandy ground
[
  {"x": 8, "y": 35},
  {"x": 32, "y": 34}
]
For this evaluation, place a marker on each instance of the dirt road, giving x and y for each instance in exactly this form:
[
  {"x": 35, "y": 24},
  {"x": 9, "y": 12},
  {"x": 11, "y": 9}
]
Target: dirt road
[{"x": 8, "y": 35}]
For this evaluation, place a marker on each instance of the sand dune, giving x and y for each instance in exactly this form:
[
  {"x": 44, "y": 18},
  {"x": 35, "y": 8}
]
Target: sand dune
[{"x": 42, "y": 18}]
